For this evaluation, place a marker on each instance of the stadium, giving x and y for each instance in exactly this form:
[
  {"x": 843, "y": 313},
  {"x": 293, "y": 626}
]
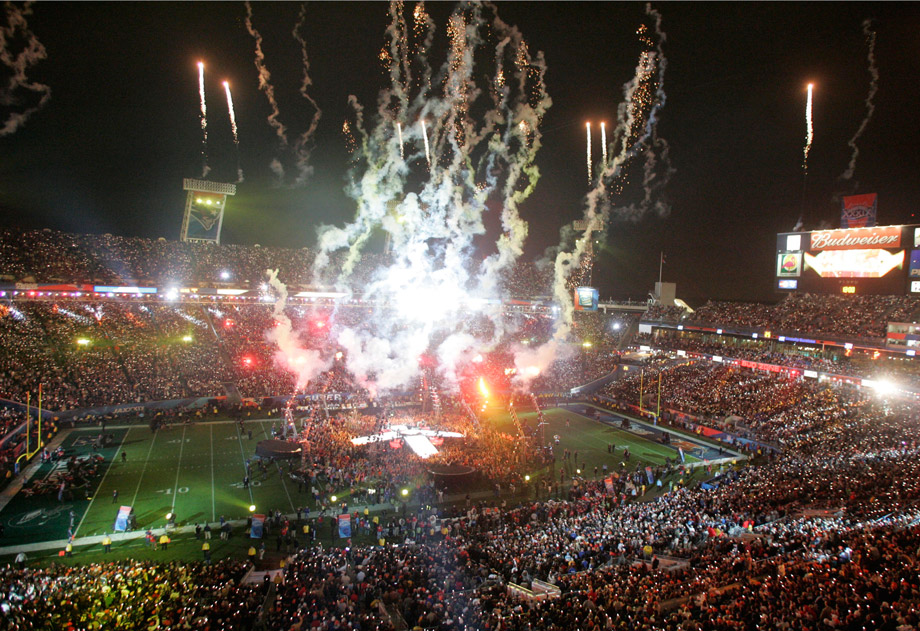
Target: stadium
[
  {"x": 408, "y": 423},
  {"x": 673, "y": 449}
]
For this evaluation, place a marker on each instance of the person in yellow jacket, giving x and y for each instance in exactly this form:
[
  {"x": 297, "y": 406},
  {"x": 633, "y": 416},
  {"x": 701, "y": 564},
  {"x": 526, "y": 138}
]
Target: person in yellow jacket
[
  {"x": 252, "y": 553},
  {"x": 206, "y": 551},
  {"x": 164, "y": 541},
  {"x": 107, "y": 543},
  {"x": 68, "y": 549}
]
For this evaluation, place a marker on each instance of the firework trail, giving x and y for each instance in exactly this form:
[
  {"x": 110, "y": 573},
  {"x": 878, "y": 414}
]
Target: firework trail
[
  {"x": 303, "y": 146},
  {"x": 604, "y": 143},
  {"x": 350, "y": 143},
  {"x": 588, "y": 155},
  {"x": 18, "y": 58},
  {"x": 636, "y": 131},
  {"x": 427, "y": 147},
  {"x": 266, "y": 86},
  {"x": 236, "y": 138},
  {"x": 870, "y": 100},
  {"x": 809, "y": 127},
  {"x": 432, "y": 216},
  {"x": 656, "y": 173},
  {"x": 204, "y": 121},
  {"x": 402, "y": 152},
  {"x": 233, "y": 128}
]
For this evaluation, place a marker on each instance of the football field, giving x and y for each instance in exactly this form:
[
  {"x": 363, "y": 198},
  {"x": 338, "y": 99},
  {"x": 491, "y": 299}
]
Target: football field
[
  {"x": 196, "y": 472},
  {"x": 193, "y": 471}
]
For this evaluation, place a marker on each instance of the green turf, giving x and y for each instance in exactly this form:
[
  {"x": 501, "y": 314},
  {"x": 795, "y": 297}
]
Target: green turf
[
  {"x": 196, "y": 471},
  {"x": 590, "y": 439}
]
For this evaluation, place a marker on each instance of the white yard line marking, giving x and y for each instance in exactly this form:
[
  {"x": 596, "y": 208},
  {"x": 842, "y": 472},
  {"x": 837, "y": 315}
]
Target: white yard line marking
[
  {"x": 101, "y": 482},
  {"x": 137, "y": 490},
  {"x": 178, "y": 470},
  {"x": 243, "y": 455},
  {"x": 213, "y": 498},
  {"x": 283, "y": 485}
]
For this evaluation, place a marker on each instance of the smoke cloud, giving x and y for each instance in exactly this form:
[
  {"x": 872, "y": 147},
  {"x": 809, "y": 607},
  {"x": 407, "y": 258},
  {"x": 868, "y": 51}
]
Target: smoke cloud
[
  {"x": 870, "y": 100},
  {"x": 20, "y": 93}
]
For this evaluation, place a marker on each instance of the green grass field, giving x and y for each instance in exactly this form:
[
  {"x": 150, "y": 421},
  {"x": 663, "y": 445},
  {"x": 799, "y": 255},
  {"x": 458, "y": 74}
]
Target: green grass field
[{"x": 196, "y": 471}]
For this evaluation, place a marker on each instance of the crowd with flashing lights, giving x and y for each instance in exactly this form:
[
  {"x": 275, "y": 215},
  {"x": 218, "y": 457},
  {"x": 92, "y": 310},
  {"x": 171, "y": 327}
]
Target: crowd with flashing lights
[
  {"x": 857, "y": 317},
  {"x": 710, "y": 391},
  {"x": 859, "y": 363},
  {"x": 131, "y": 595},
  {"x": 823, "y": 534},
  {"x": 46, "y": 256},
  {"x": 96, "y": 353}
]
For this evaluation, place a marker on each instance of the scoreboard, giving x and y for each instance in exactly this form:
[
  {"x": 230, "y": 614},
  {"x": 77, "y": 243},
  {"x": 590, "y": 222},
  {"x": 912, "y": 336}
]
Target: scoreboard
[{"x": 878, "y": 260}]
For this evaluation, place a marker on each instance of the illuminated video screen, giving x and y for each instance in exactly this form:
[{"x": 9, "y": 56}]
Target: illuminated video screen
[{"x": 876, "y": 260}]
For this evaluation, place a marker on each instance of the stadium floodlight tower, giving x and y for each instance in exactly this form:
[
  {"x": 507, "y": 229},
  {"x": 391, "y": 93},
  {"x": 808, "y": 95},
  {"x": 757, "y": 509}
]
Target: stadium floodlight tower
[{"x": 204, "y": 209}]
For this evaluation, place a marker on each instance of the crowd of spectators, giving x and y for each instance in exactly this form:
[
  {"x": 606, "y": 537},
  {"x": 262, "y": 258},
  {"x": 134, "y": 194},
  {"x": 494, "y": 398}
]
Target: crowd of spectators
[
  {"x": 856, "y": 317},
  {"x": 131, "y": 595},
  {"x": 44, "y": 256},
  {"x": 858, "y": 363},
  {"x": 822, "y": 534}
]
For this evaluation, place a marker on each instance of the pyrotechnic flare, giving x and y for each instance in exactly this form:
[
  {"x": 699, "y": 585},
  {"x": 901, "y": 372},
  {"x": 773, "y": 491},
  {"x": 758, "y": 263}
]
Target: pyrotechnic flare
[
  {"x": 809, "y": 127},
  {"x": 28, "y": 52},
  {"x": 870, "y": 100},
  {"x": 402, "y": 153},
  {"x": 204, "y": 120},
  {"x": 590, "y": 171},
  {"x": 236, "y": 138},
  {"x": 427, "y": 148},
  {"x": 604, "y": 144}
]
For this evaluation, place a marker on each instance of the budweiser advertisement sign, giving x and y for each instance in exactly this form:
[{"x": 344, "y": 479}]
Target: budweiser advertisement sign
[{"x": 881, "y": 237}]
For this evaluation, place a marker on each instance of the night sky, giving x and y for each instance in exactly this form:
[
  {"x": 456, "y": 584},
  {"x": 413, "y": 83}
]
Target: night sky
[{"x": 121, "y": 129}]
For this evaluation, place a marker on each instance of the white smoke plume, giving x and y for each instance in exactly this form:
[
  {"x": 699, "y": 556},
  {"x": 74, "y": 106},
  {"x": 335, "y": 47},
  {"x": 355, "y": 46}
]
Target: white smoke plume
[
  {"x": 303, "y": 146},
  {"x": 483, "y": 110},
  {"x": 656, "y": 173},
  {"x": 637, "y": 120},
  {"x": 266, "y": 86},
  {"x": 19, "y": 88},
  {"x": 531, "y": 362},
  {"x": 438, "y": 294},
  {"x": 304, "y": 363},
  {"x": 870, "y": 100}
]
